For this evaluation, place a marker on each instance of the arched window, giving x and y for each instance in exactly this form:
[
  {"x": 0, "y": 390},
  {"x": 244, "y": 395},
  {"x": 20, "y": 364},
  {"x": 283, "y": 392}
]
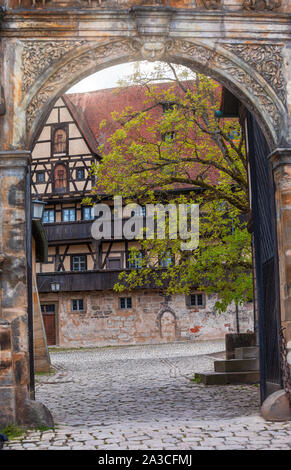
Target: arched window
[
  {"x": 60, "y": 178},
  {"x": 60, "y": 141}
]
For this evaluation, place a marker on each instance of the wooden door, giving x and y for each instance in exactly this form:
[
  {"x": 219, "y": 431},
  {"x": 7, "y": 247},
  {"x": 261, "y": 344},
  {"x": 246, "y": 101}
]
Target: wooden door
[{"x": 49, "y": 320}]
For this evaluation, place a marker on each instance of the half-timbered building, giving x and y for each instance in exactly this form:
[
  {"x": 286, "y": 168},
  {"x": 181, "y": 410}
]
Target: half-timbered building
[{"x": 78, "y": 304}]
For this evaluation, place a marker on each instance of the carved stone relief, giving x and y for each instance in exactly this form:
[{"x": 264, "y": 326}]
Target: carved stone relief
[
  {"x": 256, "y": 5},
  {"x": 73, "y": 68},
  {"x": 266, "y": 60},
  {"x": 261, "y": 5},
  {"x": 237, "y": 76},
  {"x": 38, "y": 56},
  {"x": 212, "y": 4},
  {"x": 152, "y": 48}
]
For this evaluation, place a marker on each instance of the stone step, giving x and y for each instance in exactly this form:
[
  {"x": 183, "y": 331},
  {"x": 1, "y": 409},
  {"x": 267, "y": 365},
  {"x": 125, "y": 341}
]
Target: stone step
[
  {"x": 237, "y": 365},
  {"x": 251, "y": 352},
  {"x": 225, "y": 378}
]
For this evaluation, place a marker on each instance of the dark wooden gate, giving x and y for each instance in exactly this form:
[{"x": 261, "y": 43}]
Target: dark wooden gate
[
  {"x": 49, "y": 320},
  {"x": 266, "y": 258}
]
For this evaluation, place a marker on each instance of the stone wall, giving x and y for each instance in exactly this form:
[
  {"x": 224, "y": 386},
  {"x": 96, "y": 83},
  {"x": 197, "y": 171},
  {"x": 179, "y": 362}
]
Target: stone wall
[{"x": 150, "y": 320}]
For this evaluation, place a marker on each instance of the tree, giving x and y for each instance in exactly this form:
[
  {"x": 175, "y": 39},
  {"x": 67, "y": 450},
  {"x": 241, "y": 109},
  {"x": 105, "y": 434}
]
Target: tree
[{"x": 177, "y": 150}]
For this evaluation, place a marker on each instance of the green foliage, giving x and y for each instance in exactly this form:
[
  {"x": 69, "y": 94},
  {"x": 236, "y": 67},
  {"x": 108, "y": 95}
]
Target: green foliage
[
  {"x": 152, "y": 155},
  {"x": 197, "y": 379},
  {"x": 12, "y": 431}
]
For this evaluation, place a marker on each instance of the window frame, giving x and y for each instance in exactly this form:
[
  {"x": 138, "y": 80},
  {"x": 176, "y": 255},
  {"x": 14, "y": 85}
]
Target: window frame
[
  {"x": 49, "y": 221},
  {"x": 75, "y": 255},
  {"x": 114, "y": 258},
  {"x": 167, "y": 257},
  {"x": 126, "y": 300},
  {"x": 167, "y": 106},
  {"x": 139, "y": 211},
  {"x": 69, "y": 209},
  {"x": 78, "y": 304},
  {"x": 92, "y": 212},
  {"x": 136, "y": 261},
  {"x": 38, "y": 173},
  {"x": 83, "y": 171},
  {"x": 62, "y": 189},
  {"x": 63, "y": 127},
  {"x": 196, "y": 305},
  {"x": 168, "y": 137}
]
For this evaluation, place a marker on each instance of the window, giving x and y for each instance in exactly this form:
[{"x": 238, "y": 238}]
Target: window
[
  {"x": 135, "y": 263},
  {"x": 125, "y": 302},
  {"x": 139, "y": 211},
  {"x": 79, "y": 263},
  {"x": 168, "y": 137},
  {"x": 48, "y": 216},
  {"x": 40, "y": 177},
  {"x": 87, "y": 213},
  {"x": 166, "y": 260},
  {"x": 80, "y": 174},
  {"x": 77, "y": 305},
  {"x": 69, "y": 215},
  {"x": 60, "y": 141},
  {"x": 60, "y": 178},
  {"x": 167, "y": 107},
  {"x": 113, "y": 263},
  {"x": 48, "y": 308},
  {"x": 196, "y": 300}
]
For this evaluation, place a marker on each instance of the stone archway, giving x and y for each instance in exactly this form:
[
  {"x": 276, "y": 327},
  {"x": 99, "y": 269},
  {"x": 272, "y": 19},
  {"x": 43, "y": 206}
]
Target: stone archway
[
  {"x": 167, "y": 324},
  {"x": 45, "y": 51},
  {"x": 252, "y": 72}
]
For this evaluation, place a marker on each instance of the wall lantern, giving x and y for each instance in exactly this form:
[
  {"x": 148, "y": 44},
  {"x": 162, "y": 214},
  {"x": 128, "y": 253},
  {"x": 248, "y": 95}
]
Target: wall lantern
[
  {"x": 55, "y": 286},
  {"x": 37, "y": 208}
]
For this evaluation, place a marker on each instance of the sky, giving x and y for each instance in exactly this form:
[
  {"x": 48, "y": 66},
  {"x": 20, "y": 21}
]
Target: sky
[{"x": 109, "y": 77}]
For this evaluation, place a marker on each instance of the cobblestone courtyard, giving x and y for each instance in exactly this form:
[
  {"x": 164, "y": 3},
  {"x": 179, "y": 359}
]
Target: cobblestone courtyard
[{"x": 142, "y": 397}]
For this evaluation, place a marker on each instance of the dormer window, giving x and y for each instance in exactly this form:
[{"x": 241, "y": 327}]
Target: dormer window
[{"x": 60, "y": 141}]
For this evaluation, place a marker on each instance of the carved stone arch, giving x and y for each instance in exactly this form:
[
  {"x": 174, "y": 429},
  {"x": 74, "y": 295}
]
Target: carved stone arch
[
  {"x": 166, "y": 309},
  {"x": 252, "y": 72},
  {"x": 238, "y": 67}
]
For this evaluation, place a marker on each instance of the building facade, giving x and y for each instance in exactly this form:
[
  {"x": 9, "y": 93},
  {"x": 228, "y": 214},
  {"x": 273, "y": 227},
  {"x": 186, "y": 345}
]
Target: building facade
[{"x": 78, "y": 303}]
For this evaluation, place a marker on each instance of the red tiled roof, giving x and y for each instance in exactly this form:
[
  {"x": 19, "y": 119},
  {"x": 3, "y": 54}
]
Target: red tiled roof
[{"x": 91, "y": 108}]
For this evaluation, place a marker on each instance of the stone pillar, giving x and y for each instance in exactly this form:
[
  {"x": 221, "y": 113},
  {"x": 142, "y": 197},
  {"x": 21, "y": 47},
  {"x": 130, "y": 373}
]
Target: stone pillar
[
  {"x": 281, "y": 163},
  {"x": 15, "y": 404}
]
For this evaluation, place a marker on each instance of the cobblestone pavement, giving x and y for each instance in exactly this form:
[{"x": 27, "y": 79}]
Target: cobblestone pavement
[{"x": 141, "y": 397}]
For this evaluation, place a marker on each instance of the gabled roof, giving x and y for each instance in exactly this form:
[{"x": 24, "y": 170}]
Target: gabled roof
[{"x": 81, "y": 119}]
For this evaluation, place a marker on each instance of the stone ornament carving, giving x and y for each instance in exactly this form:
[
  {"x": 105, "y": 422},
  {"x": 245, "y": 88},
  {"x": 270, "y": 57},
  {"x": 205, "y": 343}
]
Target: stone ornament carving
[
  {"x": 152, "y": 48},
  {"x": 38, "y": 56},
  {"x": 212, "y": 4},
  {"x": 267, "y": 60},
  {"x": 238, "y": 75},
  {"x": 261, "y": 5},
  {"x": 74, "y": 68},
  {"x": 241, "y": 77},
  {"x": 3, "y": 258},
  {"x": 256, "y": 5},
  {"x": 237, "y": 63}
]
